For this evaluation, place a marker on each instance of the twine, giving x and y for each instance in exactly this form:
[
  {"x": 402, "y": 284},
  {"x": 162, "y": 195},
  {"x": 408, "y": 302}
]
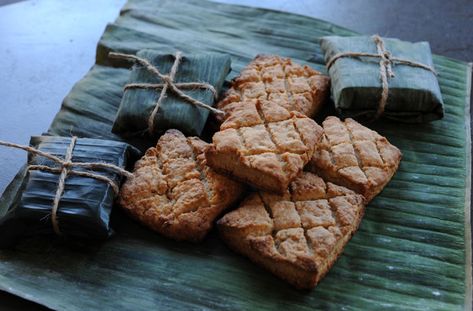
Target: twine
[
  {"x": 66, "y": 168},
  {"x": 385, "y": 68},
  {"x": 168, "y": 84}
]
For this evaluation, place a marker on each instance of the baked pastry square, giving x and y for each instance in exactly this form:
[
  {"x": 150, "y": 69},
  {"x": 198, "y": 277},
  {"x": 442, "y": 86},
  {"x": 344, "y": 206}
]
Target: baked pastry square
[
  {"x": 279, "y": 80},
  {"x": 354, "y": 156},
  {"x": 264, "y": 145},
  {"x": 174, "y": 192},
  {"x": 298, "y": 235}
]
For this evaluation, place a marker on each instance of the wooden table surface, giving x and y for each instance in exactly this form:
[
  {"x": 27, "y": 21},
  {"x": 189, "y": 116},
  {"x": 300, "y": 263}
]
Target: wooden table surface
[{"x": 47, "y": 46}]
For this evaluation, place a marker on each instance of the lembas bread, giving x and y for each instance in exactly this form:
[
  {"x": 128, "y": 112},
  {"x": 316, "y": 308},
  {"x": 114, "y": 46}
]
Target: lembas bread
[
  {"x": 354, "y": 156},
  {"x": 298, "y": 235},
  {"x": 281, "y": 81},
  {"x": 264, "y": 145},
  {"x": 174, "y": 192}
]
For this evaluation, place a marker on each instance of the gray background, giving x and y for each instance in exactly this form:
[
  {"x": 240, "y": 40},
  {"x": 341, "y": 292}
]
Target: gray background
[{"x": 46, "y": 46}]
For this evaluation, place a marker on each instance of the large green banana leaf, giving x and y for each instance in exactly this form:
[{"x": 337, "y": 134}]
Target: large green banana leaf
[{"x": 412, "y": 251}]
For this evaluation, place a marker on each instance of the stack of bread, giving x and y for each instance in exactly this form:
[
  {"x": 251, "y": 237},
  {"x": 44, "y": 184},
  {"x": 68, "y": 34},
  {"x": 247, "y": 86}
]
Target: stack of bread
[{"x": 301, "y": 187}]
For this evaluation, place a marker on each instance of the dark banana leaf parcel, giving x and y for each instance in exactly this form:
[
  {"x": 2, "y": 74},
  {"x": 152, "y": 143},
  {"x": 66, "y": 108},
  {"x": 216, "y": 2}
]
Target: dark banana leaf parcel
[
  {"x": 412, "y": 251},
  {"x": 86, "y": 203}
]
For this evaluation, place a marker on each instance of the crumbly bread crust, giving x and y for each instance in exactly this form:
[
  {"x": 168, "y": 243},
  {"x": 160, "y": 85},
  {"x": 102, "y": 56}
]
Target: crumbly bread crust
[
  {"x": 174, "y": 192},
  {"x": 264, "y": 145},
  {"x": 298, "y": 235},
  {"x": 354, "y": 156},
  {"x": 279, "y": 80}
]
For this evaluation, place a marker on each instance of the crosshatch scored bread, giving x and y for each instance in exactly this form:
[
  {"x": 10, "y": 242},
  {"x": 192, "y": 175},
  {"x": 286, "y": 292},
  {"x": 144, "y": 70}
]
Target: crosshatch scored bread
[
  {"x": 174, "y": 192},
  {"x": 264, "y": 145},
  {"x": 298, "y": 235},
  {"x": 354, "y": 156},
  {"x": 280, "y": 81}
]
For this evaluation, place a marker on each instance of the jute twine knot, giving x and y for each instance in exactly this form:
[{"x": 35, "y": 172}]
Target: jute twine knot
[
  {"x": 385, "y": 68},
  {"x": 167, "y": 85},
  {"x": 65, "y": 168}
]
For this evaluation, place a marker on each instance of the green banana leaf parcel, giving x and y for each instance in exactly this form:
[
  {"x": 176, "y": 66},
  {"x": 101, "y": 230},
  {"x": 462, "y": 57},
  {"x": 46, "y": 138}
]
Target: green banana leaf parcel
[
  {"x": 412, "y": 251},
  {"x": 137, "y": 104},
  {"x": 414, "y": 93}
]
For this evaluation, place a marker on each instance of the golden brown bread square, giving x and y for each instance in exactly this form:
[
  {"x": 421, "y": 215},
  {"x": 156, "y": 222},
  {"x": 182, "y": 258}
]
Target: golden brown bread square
[
  {"x": 264, "y": 145},
  {"x": 279, "y": 80},
  {"x": 174, "y": 192},
  {"x": 298, "y": 235},
  {"x": 354, "y": 156}
]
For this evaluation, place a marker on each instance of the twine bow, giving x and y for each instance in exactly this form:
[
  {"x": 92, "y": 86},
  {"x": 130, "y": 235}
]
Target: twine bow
[
  {"x": 65, "y": 168},
  {"x": 385, "y": 68},
  {"x": 168, "y": 84}
]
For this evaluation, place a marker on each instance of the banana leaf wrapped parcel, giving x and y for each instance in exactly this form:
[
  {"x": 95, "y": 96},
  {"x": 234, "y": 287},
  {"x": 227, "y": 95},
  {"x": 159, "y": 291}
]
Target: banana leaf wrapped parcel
[
  {"x": 68, "y": 188},
  {"x": 169, "y": 91},
  {"x": 374, "y": 76}
]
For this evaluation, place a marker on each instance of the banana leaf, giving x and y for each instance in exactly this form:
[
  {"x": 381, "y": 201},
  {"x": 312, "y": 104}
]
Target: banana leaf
[
  {"x": 412, "y": 251},
  {"x": 138, "y": 104}
]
